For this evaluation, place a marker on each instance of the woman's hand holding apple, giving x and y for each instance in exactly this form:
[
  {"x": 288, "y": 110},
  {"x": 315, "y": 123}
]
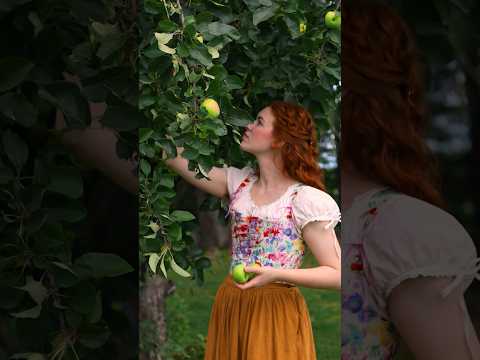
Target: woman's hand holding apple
[{"x": 260, "y": 275}]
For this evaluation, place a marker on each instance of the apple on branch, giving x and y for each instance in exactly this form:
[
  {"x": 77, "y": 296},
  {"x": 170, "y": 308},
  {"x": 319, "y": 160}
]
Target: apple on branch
[
  {"x": 211, "y": 107},
  {"x": 333, "y": 20}
]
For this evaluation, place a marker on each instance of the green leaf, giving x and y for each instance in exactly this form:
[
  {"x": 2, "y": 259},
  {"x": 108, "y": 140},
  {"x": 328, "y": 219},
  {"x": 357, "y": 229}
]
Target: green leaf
[
  {"x": 36, "y": 290},
  {"x": 178, "y": 269},
  {"x": 29, "y": 356},
  {"x": 153, "y": 260},
  {"x": 166, "y": 49},
  {"x": 110, "y": 45},
  {"x": 174, "y": 232},
  {"x": 234, "y": 82},
  {"x": 123, "y": 118},
  {"x": 32, "y": 313},
  {"x": 146, "y": 101},
  {"x": 163, "y": 38},
  {"x": 68, "y": 98},
  {"x": 168, "y": 182},
  {"x": 96, "y": 314},
  {"x": 202, "y": 55},
  {"x": 190, "y": 154},
  {"x": 182, "y": 216},
  {"x": 99, "y": 265},
  {"x": 166, "y": 26},
  {"x": 145, "y": 167},
  {"x": 219, "y": 29},
  {"x": 18, "y": 109},
  {"x": 66, "y": 181},
  {"x": 63, "y": 274},
  {"x": 64, "y": 267},
  {"x": 252, "y": 4},
  {"x": 16, "y": 149},
  {"x": 213, "y": 52},
  {"x": 263, "y": 14},
  {"x": 82, "y": 297},
  {"x": 162, "y": 267},
  {"x": 13, "y": 71},
  {"x": 238, "y": 117},
  {"x": 145, "y": 134}
]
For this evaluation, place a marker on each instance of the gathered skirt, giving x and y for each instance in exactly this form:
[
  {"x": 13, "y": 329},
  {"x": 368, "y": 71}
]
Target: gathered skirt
[{"x": 271, "y": 322}]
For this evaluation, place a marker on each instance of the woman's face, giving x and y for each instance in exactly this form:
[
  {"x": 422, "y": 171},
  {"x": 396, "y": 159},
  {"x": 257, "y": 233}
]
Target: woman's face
[{"x": 258, "y": 136}]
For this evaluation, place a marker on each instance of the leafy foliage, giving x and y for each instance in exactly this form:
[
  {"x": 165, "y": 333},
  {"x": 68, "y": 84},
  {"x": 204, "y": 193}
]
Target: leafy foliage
[
  {"x": 242, "y": 54},
  {"x": 51, "y": 290}
]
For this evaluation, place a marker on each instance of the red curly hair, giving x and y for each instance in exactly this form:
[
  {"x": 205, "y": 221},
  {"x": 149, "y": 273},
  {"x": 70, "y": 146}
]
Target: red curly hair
[
  {"x": 295, "y": 128},
  {"x": 383, "y": 108}
]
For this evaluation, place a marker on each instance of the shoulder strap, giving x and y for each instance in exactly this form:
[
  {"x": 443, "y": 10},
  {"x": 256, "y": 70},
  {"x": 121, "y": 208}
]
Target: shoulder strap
[{"x": 237, "y": 192}]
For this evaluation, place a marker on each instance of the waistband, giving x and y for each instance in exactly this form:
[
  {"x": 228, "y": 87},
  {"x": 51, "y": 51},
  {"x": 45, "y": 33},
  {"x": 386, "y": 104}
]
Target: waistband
[{"x": 228, "y": 281}]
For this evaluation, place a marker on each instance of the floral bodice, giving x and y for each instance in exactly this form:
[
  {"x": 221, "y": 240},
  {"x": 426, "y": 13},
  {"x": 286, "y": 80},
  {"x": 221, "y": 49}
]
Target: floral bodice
[{"x": 271, "y": 235}]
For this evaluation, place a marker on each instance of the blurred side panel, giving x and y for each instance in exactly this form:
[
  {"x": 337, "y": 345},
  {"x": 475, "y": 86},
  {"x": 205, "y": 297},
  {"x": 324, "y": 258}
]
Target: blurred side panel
[{"x": 409, "y": 149}]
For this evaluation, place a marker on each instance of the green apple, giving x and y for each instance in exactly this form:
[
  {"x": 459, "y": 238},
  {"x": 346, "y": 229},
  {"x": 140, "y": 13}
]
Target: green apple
[
  {"x": 240, "y": 276},
  {"x": 303, "y": 27},
  {"x": 333, "y": 20},
  {"x": 211, "y": 107}
]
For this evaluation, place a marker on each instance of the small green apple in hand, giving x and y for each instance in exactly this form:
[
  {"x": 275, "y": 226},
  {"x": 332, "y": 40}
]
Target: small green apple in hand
[
  {"x": 333, "y": 20},
  {"x": 240, "y": 276},
  {"x": 211, "y": 107}
]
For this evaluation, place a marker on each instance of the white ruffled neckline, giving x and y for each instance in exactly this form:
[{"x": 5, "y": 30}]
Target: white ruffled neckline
[{"x": 277, "y": 201}]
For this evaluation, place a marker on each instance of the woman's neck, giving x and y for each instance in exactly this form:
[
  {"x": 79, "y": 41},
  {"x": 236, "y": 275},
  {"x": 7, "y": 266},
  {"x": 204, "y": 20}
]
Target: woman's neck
[{"x": 271, "y": 174}]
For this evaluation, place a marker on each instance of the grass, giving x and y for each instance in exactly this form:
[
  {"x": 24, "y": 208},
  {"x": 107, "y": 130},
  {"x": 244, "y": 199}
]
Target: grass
[{"x": 188, "y": 313}]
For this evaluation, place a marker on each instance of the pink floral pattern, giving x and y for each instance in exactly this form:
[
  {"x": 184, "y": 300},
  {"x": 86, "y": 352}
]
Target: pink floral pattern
[
  {"x": 271, "y": 242},
  {"x": 365, "y": 334}
]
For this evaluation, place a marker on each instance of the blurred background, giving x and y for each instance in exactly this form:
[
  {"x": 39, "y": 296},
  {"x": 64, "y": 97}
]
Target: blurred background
[{"x": 448, "y": 37}]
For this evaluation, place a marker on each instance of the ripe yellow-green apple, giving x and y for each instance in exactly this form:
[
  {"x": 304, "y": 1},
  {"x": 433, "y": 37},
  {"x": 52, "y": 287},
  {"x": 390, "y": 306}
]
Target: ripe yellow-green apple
[
  {"x": 211, "y": 107},
  {"x": 333, "y": 20},
  {"x": 240, "y": 276},
  {"x": 303, "y": 27}
]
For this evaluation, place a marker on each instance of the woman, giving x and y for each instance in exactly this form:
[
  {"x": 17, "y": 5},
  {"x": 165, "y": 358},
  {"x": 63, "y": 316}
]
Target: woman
[
  {"x": 275, "y": 209},
  {"x": 405, "y": 261}
]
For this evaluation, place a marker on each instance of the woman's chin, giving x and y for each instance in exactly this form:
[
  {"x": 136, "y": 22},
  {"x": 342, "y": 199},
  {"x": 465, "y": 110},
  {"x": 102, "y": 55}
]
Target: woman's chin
[{"x": 244, "y": 147}]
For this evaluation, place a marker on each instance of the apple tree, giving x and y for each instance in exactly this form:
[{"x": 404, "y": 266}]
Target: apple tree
[{"x": 242, "y": 54}]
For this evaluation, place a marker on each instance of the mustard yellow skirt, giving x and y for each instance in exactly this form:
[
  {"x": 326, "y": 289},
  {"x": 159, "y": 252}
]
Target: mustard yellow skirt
[{"x": 271, "y": 322}]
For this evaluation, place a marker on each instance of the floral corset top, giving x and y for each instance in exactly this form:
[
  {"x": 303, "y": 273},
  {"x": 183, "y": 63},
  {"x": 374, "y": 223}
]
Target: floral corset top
[{"x": 271, "y": 235}]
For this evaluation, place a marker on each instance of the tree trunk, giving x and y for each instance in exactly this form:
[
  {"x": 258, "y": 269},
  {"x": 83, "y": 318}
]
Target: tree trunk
[
  {"x": 211, "y": 232},
  {"x": 152, "y": 308}
]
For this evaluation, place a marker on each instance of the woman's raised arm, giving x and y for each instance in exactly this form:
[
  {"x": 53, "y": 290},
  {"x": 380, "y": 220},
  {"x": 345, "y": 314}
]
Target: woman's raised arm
[{"x": 216, "y": 184}]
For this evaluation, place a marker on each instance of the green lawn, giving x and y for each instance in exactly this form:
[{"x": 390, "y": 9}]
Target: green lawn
[{"x": 188, "y": 312}]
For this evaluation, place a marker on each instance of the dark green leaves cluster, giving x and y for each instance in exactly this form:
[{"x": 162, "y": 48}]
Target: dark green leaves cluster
[{"x": 51, "y": 294}]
